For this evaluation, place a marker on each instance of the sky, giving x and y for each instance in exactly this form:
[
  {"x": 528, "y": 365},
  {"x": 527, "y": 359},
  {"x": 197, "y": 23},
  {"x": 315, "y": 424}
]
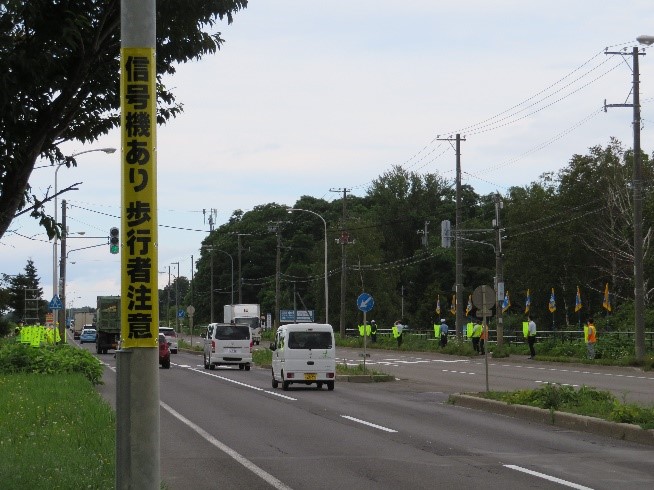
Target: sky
[{"x": 312, "y": 95}]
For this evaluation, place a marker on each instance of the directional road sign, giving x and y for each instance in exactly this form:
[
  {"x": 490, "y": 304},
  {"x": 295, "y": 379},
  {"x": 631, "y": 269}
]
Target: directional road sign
[{"x": 365, "y": 302}]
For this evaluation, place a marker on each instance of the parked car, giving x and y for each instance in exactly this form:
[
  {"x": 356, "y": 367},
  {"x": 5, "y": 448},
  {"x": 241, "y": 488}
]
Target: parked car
[
  {"x": 88, "y": 335},
  {"x": 171, "y": 338},
  {"x": 164, "y": 352}
]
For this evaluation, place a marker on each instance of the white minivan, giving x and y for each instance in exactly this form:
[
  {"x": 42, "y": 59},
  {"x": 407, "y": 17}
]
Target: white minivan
[
  {"x": 227, "y": 344},
  {"x": 304, "y": 353}
]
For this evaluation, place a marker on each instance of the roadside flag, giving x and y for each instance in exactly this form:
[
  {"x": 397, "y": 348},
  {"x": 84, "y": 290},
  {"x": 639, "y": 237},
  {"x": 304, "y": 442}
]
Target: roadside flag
[
  {"x": 606, "y": 303},
  {"x": 527, "y": 302},
  {"x": 552, "y": 305},
  {"x": 453, "y": 306},
  {"x": 469, "y": 307},
  {"x": 506, "y": 303},
  {"x": 438, "y": 305},
  {"x": 578, "y": 304}
]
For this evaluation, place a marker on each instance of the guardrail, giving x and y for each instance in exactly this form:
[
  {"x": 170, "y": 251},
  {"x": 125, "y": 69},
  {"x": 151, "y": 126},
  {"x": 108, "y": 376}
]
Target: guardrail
[{"x": 513, "y": 337}]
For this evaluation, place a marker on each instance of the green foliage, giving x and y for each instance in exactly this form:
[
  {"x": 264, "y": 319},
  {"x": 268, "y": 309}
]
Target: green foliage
[
  {"x": 61, "y": 57},
  {"x": 584, "y": 401},
  {"x": 22, "y": 358},
  {"x": 55, "y": 432}
]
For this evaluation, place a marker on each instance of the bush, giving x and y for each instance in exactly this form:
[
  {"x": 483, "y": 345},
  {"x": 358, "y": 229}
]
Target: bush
[{"x": 21, "y": 358}]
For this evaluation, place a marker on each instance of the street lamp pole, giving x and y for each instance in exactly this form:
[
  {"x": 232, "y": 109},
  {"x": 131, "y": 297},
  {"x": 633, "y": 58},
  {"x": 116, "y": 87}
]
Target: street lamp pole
[
  {"x": 290, "y": 210},
  {"x": 176, "y": 297},
  {"x": 55, "y": 280}
]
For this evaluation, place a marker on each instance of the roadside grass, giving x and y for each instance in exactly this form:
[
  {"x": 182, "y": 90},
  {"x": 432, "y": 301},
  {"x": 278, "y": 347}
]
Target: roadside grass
[
  {"x": 55, "y": 432},
  {"x": 584, "y": 401}
]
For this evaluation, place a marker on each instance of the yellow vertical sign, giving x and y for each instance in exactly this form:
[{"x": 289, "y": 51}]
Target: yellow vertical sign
[{"x": 139, "y": 239}]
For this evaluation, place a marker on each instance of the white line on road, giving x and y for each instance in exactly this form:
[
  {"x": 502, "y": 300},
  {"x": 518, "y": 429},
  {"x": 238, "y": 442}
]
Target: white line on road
[
  {"x": 261, "y": 473},
  {"x": 240, "y": 383},
  {"x": 547, "y": 477},
  {"x": 370, "y": 424}
]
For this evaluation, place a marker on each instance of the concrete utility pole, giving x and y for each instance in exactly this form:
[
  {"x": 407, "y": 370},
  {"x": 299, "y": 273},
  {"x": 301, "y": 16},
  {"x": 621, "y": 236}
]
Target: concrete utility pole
[
  {"x": 277, "y": 229},
  {"x": 240, "y": 275},
  {"x": 137, "y": 362},
  {"x": 176, "y": 298},
  {"x": 637, "y": 183},
  {"x": 343, "y": 240},
  {"x": 458, "y": 251},
  {"x": 62, "y": 274},
  {"x": 499, "y": 273}
]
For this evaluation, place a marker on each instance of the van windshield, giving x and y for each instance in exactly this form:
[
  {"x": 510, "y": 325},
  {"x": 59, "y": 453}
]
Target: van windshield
[
  {"x": 232, "y": 332},
  {"x": 309, "y": 340}
]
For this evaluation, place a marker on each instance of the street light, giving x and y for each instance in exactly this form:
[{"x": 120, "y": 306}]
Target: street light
[
  {"x": 290, "y": 210},
  {"x": 55, "y": 289}
]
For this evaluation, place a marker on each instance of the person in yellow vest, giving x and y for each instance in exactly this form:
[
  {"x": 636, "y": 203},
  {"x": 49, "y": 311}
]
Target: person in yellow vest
[
  {"x": 592, "y": 338},
  {"x": 398, "y": 327},
  {"x": 476, "y": 336}
]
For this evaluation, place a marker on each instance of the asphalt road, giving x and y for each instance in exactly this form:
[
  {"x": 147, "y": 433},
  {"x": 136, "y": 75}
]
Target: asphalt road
[{"x": 229, "y": 429}]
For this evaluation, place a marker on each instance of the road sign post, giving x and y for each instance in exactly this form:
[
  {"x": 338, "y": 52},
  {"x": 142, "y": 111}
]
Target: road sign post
[{"x": 365, "y": 303}]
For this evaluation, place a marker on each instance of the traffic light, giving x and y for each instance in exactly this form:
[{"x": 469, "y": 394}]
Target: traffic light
[{"x": 114, "y": 240}]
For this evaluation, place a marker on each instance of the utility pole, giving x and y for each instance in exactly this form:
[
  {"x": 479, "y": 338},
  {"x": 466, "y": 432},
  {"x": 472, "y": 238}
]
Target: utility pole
[
  {"x": 343, "y": 240},
  {"x": 276, "y": 228},
  {"x": 424, "y": 239},
  {"x": 62, "y": 274},
  {"x": 637, "y": 183},
  {"x": 240, "y": 275},
  {"x": 458, "y": 252},
  {"x": 168, "y": 301},
  {"x": 499, "y": 274},
  {"x": 176, "y": 297}
]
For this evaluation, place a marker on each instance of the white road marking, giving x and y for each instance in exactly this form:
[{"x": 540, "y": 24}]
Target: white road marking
[
  {"x": 370, "y": 424},
  {"x": 240, "y": 383},
  {"x": 555, "y": 383},
  {"x": 261, "y": 473},
  {"x": 547, "y": 477}
]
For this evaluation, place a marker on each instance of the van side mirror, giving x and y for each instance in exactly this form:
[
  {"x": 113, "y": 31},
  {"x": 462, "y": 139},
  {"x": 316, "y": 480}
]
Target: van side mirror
[{"x": 273, "y": 346}]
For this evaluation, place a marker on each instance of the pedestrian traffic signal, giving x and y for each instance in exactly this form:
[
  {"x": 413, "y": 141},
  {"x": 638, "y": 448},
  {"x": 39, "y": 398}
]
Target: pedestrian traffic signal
[{"x": 114, "y": 240}]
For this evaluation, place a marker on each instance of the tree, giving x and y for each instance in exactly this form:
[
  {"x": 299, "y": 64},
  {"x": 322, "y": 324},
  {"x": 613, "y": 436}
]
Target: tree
[
  {"x": 60, "y": 81},
  {"x": 26, "y": 295}
]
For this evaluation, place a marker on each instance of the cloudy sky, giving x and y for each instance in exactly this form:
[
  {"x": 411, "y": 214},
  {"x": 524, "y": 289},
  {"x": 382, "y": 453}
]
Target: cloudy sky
[{"x": 308, "y": 95}]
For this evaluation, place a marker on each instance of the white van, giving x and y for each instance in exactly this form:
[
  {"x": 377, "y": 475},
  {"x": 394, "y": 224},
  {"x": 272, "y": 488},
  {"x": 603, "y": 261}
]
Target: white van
[
  {"x": 304, "y": 353},
  {"x": 227, "y": 344}
]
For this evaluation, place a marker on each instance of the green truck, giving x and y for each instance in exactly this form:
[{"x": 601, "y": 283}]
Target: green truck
[{"x": 107, "y": 323}]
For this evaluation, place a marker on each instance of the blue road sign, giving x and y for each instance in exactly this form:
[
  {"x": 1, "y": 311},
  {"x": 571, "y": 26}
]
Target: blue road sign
[
  {"x": 181, "y": 313},
  {"x": 365, "y": 302},
  {"x": 55, "y": 303}
]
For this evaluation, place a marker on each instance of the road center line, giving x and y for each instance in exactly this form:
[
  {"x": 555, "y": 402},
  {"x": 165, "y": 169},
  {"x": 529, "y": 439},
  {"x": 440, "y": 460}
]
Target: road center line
[
  {"x": 547, "y": 477},
  {"x": 370, "y": 424},
  {"x": 261, "y": 473}
]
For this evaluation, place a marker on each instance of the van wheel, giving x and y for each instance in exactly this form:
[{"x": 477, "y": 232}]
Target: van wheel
[
  {"x": 275, "y": 384},
  {"x": 319, "y": 383},
  {"x": 241, "y": 367},
  {"x": 206, "y": 364},
  {"x": 212, "y": 366},
  {"x": 330, "y": 385},
  {"x": 285, "y": 385},
  {"x": 247, "y": 367}
]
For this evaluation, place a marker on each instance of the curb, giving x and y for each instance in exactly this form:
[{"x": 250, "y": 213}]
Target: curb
[
  {"x": 364, "y": 378},
  {"x": 616, "y": 430}
]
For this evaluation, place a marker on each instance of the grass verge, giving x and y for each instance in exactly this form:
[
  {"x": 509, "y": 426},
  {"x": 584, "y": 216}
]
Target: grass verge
[
  {"x": 55, "y": 432},
  {"x": 584, "y": 401}
]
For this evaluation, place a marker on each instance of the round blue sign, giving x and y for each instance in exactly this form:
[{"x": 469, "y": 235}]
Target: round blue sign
[{"x": 365, "y": 302}]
